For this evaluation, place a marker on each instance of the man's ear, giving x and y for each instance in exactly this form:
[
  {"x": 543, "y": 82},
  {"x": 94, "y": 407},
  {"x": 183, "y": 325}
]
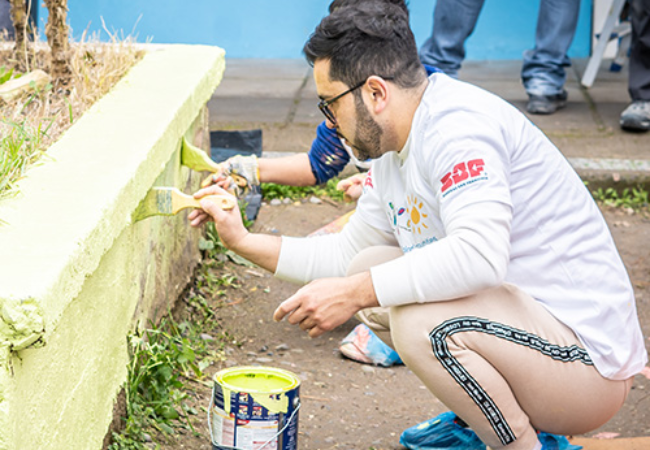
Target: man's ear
[{"x": 379, "y": 93}]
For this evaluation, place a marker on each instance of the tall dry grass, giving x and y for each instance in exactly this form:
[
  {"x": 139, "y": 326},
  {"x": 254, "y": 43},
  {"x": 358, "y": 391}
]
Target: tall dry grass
[{"x": 35, "y": 120}]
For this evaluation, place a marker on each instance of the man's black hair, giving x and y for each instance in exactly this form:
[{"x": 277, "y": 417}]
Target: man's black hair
[
  {"x": 341, "y": 3},
  {"x": 369, "y": 38}
]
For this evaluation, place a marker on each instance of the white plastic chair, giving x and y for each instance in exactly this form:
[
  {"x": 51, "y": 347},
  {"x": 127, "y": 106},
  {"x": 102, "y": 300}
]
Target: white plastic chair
[{"x": 611, "y": 30}]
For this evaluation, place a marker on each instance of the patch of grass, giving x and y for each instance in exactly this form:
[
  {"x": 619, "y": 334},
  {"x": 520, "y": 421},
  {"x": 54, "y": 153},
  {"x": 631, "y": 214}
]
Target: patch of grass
[
  {"x": 272, "y": 191},
  {"x": 163, "y": 360},
  {"x": 32, "y": 122},
  {"x": 635, "y": 198},
  {"x": 7, "y": 74},
  {"x": 21, "y": 145},
  {"x": 167, "y": 361}
]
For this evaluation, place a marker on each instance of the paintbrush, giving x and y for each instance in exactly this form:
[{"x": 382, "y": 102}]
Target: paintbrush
[
  {"x": 167, "y": 201},
  {"x": 196, "y": 159}
]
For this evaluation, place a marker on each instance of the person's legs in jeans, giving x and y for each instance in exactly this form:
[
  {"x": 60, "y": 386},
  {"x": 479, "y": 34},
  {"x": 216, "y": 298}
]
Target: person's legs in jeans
[
  {"x": 453, "y": 22},
  {"x": 543, "y": 73},
  {"x": 637, "y": 115},
  {"x": 6, "y": 25}
]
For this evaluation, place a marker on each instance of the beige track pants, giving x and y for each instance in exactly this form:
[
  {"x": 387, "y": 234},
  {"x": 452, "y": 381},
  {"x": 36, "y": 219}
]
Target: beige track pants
[{"x": 499, "y": 360}]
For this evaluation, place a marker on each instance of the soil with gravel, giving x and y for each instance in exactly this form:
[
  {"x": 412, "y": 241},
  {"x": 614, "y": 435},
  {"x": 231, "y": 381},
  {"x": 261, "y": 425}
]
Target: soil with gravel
[{"x": 346, "y": 405}]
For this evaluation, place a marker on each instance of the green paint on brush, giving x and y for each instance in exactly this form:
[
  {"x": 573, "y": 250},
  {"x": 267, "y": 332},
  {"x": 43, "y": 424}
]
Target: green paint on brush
[
  {"x": 151, "y": 204},
  {"x": 167, "y": 201},
  {"x": 158, "y": 202},
  {"x": 196, "y": 159}
]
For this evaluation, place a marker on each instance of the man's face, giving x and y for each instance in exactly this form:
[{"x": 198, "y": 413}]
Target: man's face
[{"x": 354, "y": 123}]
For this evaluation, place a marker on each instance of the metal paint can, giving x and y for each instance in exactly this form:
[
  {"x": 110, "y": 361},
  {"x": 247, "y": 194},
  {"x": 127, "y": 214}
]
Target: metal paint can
[{"x": 254, "y": 408}]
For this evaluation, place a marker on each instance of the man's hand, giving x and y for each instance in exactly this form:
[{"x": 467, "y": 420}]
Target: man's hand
[
  {"x": 229, "y": 224},
  {"x": 324, "y": 304},
  {"x": 261, "y": 249},
  {"x": 352, "y": 186}
]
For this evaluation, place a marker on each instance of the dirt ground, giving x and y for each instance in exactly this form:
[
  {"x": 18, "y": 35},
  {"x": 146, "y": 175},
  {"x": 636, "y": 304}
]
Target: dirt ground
[{"x": 348, "y": 405}]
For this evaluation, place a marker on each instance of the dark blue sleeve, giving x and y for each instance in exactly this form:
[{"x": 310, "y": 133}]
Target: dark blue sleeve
[
  {"x": 327, "y": 155},
  {"x": 431, "y": 69}
]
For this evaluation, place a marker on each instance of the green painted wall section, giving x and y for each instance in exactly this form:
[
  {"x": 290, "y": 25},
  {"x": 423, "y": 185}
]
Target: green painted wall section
[{"x": 77, "y": 275}]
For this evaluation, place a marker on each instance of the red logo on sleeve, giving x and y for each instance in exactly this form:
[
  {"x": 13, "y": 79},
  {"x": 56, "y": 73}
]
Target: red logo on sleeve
[
  {"x": 461, "y": 172},
  {"x": 368, "y": 180}
]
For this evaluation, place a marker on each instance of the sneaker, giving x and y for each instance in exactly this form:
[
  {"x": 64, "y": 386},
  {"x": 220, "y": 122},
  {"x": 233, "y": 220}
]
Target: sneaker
[
  {"x": 636, "y": 116},
  {"x": 444, "y": 432},
  {"x": 362, "y": 345},
  {"x": 555, "y": 442},
  {"x": 546, "y": 104},
  {"x": 447, "y": 431}
]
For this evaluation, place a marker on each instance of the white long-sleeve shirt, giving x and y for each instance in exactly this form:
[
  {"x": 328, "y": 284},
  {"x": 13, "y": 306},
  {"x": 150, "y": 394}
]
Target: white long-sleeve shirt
[{"x": 478, "y": 197}]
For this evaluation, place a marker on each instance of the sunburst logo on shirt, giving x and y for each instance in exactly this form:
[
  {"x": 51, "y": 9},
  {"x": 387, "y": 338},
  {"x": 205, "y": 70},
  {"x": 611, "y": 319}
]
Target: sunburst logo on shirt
[{"x": 416, "y": 215}]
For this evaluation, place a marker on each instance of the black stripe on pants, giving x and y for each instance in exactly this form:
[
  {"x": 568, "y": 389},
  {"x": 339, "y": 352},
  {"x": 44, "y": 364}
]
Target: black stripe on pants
[{"x": 489, "y": 408}]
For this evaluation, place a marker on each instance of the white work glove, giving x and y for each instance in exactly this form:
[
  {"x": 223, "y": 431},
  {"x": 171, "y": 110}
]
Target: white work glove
[{"x": 241, "y": 172}]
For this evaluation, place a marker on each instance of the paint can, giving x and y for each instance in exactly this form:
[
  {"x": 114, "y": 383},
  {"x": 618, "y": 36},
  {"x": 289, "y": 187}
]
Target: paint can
[{"x": 254, "y": 408}]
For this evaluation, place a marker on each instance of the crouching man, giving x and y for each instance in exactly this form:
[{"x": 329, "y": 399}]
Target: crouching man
[{"x": 475, "y": 250}]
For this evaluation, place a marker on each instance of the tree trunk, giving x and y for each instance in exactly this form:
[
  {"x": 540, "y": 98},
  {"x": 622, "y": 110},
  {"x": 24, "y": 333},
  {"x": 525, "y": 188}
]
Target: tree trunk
[
  {"x": 19, "y": 19},
  {"x": 56, "y": 31}
]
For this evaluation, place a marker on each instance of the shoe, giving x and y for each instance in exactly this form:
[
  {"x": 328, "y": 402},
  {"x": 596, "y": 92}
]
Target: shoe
[
  {"x": 546, "y": 104},
  {"x": 447, "y": 431},
  {"x": 362, "y": 345},
  {"x": 444, "y": 432},
  {"x": 555, "y": 442},
  {"x": 636, "y": 116}
]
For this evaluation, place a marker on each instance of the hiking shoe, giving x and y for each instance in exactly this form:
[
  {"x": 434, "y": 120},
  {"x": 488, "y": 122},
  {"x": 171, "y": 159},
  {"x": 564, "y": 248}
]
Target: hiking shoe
[
  {"x": 362, "y": 345},
  {"x": 546, "y": 104},
  {"x": 636, "y": 116},
  {"x": 555, "y": 442},
  {"x": 444, "y": 432}
]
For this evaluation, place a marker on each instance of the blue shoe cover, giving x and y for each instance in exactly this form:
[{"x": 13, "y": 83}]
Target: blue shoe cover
[
  {"x": 555, "y": 442},
  {"x": 441, "y": 433},
  {"x": 364, "y": 346}
]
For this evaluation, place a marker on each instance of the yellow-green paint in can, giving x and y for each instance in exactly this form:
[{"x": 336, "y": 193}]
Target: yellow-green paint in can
[{"x": 254, "y": 408}]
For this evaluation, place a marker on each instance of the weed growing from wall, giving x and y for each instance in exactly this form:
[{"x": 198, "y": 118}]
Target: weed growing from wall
[{"x": 167, "y": 362}]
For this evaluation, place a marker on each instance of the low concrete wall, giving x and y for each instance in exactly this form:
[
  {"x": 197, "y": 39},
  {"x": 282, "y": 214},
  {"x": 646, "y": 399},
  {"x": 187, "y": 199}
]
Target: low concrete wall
[{"x": 76, "y": 275}]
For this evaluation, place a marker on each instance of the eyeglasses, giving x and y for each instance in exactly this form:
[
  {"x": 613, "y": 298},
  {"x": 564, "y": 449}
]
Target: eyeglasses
[{"x": 324, "y": 105}]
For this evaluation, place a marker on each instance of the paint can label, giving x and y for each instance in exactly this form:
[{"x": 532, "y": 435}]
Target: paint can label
[{"x": 254, "y": 420}]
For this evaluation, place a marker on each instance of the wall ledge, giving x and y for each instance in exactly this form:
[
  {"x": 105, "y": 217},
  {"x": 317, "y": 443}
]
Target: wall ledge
[{"x": 73, "y": 205}]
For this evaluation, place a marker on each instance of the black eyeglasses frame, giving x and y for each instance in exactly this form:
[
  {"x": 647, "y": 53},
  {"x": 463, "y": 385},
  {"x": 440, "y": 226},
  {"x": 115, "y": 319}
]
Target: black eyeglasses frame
[{"x": 323, "y": 105}]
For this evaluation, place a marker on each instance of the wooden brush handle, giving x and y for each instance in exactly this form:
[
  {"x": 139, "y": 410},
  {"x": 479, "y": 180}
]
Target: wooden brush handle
[
  {"x": 223, "y": 201},
  {"x": 183, "y": 201}
]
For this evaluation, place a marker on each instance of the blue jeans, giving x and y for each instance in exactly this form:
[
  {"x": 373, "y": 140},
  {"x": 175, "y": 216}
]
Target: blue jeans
[
  {"x": 543, "y": 66},
  {"x": 5, "y": 18}
]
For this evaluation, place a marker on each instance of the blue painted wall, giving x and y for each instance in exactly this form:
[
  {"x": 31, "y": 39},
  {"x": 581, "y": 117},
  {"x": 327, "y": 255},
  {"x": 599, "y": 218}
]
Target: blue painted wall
[{"x": 279, "y": 28}]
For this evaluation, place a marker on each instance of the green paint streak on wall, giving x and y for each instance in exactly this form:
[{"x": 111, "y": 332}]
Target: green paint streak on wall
[
  {"x": 79, "y": 281},
  {"x": 98, "y": 173}
]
